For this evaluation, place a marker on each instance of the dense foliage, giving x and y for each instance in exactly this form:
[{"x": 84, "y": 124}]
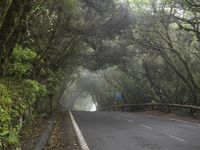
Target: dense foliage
[
  {"x": 147, "y": 49},
  {"x": 18, "y": 96},
  {"x": 156, "y": 55}
]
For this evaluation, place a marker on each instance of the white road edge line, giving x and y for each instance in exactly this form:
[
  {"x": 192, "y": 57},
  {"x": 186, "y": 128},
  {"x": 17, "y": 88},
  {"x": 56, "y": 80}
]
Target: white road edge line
[
  {"x": 145, "y": 126},
  {"x": 174, "y": 137},
  {"x": 196, "y": 124},
  {"x": 81, "y": 139}
]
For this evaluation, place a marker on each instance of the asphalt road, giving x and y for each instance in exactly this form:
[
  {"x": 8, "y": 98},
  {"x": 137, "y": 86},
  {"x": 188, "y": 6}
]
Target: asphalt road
[{"x": 129, "y": 131}]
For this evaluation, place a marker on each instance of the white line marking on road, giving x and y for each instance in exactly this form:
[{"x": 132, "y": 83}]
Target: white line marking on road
[
  {"x": 145, "y": 126},
  {"x": 196, "y": 124},
  {"x": 81, "y": 139},
  {"x": 140, "y": 124},
  {"x": 130, "y": 120},
  {"x": 174, "y": 137},
  {"x": 118, "y": 117}
]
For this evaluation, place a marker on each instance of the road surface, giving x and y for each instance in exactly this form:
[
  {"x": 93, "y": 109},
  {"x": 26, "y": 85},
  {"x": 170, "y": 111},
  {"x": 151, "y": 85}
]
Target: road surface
[{"x": 129, "y": 131}]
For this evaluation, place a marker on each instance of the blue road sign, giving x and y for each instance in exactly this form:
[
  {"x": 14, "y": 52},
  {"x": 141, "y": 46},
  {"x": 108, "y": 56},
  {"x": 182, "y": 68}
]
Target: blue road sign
[{"x": 119, "y": 96}]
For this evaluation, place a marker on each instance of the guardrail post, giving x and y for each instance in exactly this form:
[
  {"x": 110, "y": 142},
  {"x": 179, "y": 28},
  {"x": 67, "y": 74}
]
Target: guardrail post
[
  {"x": 152, "y": 107},
  {"x": 169, "y": 109},
  {"x": 116, "y": 108},
  {"x": 122, "y": 108},
  {"x": 193, "y": 111}
]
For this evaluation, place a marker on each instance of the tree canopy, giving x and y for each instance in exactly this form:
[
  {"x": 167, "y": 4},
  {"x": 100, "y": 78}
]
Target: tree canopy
[{"x": 147, "y": 49}]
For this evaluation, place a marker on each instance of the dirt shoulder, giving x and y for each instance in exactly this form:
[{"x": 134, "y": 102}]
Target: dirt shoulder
[
  {"x": 62, "y": 135},
  {"x": 32, "y": 132}
]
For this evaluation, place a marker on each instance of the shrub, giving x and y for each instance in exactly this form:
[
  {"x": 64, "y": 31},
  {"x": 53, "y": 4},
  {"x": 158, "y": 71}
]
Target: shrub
[{"x": 16, "y": 96}]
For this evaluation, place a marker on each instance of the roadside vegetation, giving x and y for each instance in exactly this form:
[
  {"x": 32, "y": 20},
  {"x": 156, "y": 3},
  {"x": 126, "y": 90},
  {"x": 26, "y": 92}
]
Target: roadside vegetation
[{"x": 147, "y": 49}]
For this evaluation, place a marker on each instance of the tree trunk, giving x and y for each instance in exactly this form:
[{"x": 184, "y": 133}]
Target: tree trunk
[{"x": 10, "y": 30}]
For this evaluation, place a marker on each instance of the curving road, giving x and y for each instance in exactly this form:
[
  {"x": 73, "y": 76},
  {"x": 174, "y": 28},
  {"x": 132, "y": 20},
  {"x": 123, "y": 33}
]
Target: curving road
[{"x": 129, "y": 131}]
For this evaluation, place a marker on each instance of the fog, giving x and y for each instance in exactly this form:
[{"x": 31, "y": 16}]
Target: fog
[
  {"x": 76, "y": 97},
  {"x": 84, "y": 103},
  {"x": 76, "y": 101}
]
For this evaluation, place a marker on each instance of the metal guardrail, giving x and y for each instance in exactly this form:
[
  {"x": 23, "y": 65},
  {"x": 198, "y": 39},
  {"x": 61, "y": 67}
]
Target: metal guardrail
[{"x": 192, "y": 109}]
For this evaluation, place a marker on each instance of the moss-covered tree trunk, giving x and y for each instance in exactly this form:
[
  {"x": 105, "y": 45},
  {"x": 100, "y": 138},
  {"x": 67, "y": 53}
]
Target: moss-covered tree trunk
[{"x": 11, "y": 26}]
